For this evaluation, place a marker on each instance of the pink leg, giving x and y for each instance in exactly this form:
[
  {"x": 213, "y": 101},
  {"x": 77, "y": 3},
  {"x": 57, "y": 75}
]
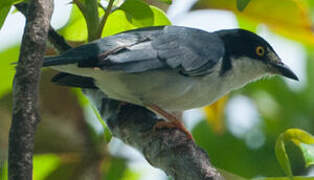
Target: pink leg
[{"x": 174, "y": 122}]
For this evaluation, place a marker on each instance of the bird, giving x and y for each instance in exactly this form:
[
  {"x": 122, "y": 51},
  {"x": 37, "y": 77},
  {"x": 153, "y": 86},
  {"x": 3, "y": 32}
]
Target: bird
[{"x": 169, "y": 69}]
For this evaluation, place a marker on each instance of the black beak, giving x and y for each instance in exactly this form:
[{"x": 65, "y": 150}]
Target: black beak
[{"x": 284, "y": 70}]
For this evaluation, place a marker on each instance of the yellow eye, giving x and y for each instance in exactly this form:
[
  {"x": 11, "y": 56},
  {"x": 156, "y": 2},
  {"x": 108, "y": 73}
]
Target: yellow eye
[{"x": 260, "y": 51}]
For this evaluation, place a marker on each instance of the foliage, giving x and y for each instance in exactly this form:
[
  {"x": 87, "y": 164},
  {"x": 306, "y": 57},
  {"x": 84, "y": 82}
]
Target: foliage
[
  {"x": 300, "y": 138},
  {"x": 7, "y": 57},
  {"x": 134, "y": 14},
  {"x": 5, "y": 6}
]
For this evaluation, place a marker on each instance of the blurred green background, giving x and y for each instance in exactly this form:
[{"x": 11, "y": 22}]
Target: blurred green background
[{"x": 239, "y": 132}]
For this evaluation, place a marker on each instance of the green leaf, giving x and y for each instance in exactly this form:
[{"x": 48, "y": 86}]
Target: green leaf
[
  {"x": 134, "y": 14},
  {"x": 166, "y": 1},
  {"x": 76, "y": 28},
  {"x": 301, "y": 139},
  {"x": 137, "y": 13},
  {"x": 7, "y": 71},
  {"x": 4, "y": 11},
  {"x": 17, "y": 1},
  {"x": 107, "y": 132},
  {"x": 131, "y": 175},
  {"x": 65, "y": 170},
  {"x": 241, "y": 4},
  {"x": 90, "y": 11},
  {"x": 282, "y": 156},
  {"x": 44, "y": 165},
  {"x": 5, "y": 6},
  {"x": 103, "y": 137},
  {"x": 308, "y": 153},
  {"x": 116, "y": 169},
  {"x": 3, "y": 169}
]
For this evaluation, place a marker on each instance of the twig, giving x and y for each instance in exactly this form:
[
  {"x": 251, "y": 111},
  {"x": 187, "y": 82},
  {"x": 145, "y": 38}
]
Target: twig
[
  {"x": 54, "y": 38},
  {"x": 25, "y": 90},
  {"x": 57, "y": 41},
  {"x": 103, "y": 21}
]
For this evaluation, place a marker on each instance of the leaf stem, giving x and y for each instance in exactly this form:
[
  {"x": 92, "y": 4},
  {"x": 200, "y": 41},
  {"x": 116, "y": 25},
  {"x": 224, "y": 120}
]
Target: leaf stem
[
  {"x": 104, "y": 19},
  {"x": 79, "y": 5}
]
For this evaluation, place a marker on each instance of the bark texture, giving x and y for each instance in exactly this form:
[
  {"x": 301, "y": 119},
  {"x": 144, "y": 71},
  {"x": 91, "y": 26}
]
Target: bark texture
[{"x": 25, "y": 89}]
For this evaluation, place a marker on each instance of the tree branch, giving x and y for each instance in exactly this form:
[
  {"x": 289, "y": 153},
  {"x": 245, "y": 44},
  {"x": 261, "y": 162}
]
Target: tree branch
[
  {"x": 25, "y": 90},
  {"x": 168, "y": 149}
]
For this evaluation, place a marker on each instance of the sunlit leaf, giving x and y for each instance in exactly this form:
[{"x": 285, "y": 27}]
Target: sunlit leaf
[
  {"x": 5, "y": 6},
  {"x": 17, "y": 1},
  {"x": 3, "y": 169},
  {"x": 241, "y": 4},
  {"x": 308, "y": 153},
  {"x": 134, "y": 14},
  {"x": 66, "y": 169},
  {"x": 103, "y": 137},
  {"x": 282, "y": 156},
  {"x": 130, "y": 175},
  {"x": 290, "y": 18},
  {"x": 44, "y": 165},
  {"x": 4, "y": 10},
  {"x": 214, "y": 114},
  {"x": 138, "y": 13},
  {"x": 302, "y": 139},
  {"x": 76, "y": 28},
  {"x": 115, "y": 169},
  {"x": 107, "y": 132},
  {"x": 7, "y": 57}
]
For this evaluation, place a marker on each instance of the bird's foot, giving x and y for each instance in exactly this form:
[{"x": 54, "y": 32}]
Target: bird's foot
[
  {"x": 177, "y": 124},
  {"x": 173, "y": 122}
]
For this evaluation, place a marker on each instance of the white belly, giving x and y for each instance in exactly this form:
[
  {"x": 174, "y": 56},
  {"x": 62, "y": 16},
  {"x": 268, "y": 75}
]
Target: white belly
[{"x": 166, "y": 89}]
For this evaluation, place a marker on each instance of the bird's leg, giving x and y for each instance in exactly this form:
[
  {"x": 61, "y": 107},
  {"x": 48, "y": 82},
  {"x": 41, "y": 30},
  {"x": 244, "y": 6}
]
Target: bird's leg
[{"x": 173, "y": 122}]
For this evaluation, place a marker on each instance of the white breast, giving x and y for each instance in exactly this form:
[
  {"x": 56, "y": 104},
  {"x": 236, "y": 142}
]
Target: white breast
[{"x": 167, "y": 89}]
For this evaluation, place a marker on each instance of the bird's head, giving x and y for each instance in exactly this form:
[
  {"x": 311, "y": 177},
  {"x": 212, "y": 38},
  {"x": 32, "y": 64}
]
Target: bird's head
[{"x": 243, "y": 45}]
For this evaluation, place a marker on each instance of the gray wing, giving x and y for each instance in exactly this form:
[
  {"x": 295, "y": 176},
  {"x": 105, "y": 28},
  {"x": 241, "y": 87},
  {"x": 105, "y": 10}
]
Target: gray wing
[{"x": 191, "y": 52}]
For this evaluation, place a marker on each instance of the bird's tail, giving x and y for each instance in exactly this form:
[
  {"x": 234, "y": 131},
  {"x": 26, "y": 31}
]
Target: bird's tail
[{"x": 60, "y": 60}]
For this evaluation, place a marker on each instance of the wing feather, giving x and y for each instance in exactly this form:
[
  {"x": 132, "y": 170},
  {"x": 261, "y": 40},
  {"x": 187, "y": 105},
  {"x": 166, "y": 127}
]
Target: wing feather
[{"x": 191, "y": 52}]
